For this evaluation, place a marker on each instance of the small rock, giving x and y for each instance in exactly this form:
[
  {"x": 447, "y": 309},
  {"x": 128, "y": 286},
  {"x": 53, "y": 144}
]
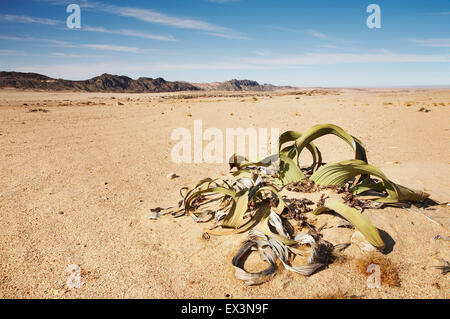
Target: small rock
[
  {"x": 154, "y": 213},
  {"x": 172, "y": 176}
]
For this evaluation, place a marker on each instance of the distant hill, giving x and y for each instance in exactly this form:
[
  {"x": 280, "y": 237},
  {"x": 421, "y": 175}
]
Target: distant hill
[
  {"x": 240, "y": 85},
  {"x": 124, "y": 84},
  {"x": 102, "y": 83}
]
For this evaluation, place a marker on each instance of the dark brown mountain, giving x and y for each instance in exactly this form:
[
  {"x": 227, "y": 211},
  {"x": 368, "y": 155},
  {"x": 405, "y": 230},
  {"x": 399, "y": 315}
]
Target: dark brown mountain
[
  {"x": 124, "y": 84},
  {"x": 102, "y": 83}
]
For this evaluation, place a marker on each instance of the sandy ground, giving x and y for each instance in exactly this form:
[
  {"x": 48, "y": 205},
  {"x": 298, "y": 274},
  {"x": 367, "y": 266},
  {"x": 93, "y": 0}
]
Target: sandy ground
[{"x": 77, "y": 183}]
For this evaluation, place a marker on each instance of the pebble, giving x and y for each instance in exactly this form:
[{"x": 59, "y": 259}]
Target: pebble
[{"x": 172, "y": 176}]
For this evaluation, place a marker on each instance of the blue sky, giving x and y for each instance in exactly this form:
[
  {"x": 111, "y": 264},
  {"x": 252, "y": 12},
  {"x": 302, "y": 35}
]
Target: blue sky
[{"x": 283, "y": 42}]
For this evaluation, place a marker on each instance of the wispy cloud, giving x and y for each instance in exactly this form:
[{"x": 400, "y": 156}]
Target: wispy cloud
[
  {"x": 66, "y": 44},
  {"x": 217, "y": 65},
  {"x": 347, "y": 58},
  {"x": 154, "y": 16},
  {"x": 72, "y": 55},
  {"x": 331, "y": 46},
  {"x": 26, "y": 19},
  {"x": 96, "y": 46},
  {"x": 317, "y": 34},
  {"x": 304, "y": 59},
  {"x": 130, "y": 33},
  {"x": 86, "y": 70},
  {"x": 107, "y": 47},
  {"x": 33, "y": 39},
  {"x": 311, "y": 32},
  {"x": 433, "y": 42},
  {"x": 314, "y": 33},
  {"x": 12, "y": 53},
  {"x": 9, "y": 38},
  {"x": 228, "y": 35},
  {"x": 262, "y": 53}
]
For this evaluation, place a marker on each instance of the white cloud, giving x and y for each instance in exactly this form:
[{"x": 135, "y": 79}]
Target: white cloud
[
  {"x": 12, "y": 53},
  {"x": 32, "y": 39},
  {"x": 331, "y": 46},
  {"x": 434, "y": 42},
  {"x": 318, "y": 34},
  {"x": 347, "y": 58},
  {"x": 228, "y": 35},
  {"x": 108, "y": 47},
  {"x": 5, "y": 37},
  {"x": 153, "y": 16},
  {"x": 262, "y": 53},
  {"x": 72, "y": 55},
  {"x": 315, "y": 33},
  {"x": 161, "y": 18},
  {"x": 27, "y": 19},
  {"x": 304, "y": 59},
  {"x": 130, "y": 33},
  {"x": 65, "y": 44},
  {"x": 203, "y": 66},
  {"x": 87, "y": 70}
]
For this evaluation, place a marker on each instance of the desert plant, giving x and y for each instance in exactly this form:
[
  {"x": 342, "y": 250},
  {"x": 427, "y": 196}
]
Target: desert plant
[{"x": 250, "y": 200}]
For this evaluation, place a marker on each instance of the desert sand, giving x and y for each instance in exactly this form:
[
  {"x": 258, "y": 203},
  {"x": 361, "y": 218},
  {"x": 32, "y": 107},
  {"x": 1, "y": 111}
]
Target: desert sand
[{"x": 77, "y": 183}]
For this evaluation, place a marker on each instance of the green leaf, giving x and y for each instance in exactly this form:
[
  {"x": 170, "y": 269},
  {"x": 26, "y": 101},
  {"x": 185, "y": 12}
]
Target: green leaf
[
  {"x": 357, "y": 219},
  {"x": 292, "y": 152},
  {"x": 289, "y": 172},
  {"x": 235, "y": 218},
  {"x": 323, "y": 129},
  {"x": 343, "y": 172}
]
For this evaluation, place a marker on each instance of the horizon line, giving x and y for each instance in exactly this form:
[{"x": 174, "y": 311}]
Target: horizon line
[{"x": 381, "y": 86}]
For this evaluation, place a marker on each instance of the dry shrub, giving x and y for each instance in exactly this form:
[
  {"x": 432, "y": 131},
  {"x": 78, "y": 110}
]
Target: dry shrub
[{"x": 388, "y": 271}]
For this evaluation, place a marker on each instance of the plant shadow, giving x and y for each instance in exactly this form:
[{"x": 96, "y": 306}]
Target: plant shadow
[{"x": 389, "y": 242}]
